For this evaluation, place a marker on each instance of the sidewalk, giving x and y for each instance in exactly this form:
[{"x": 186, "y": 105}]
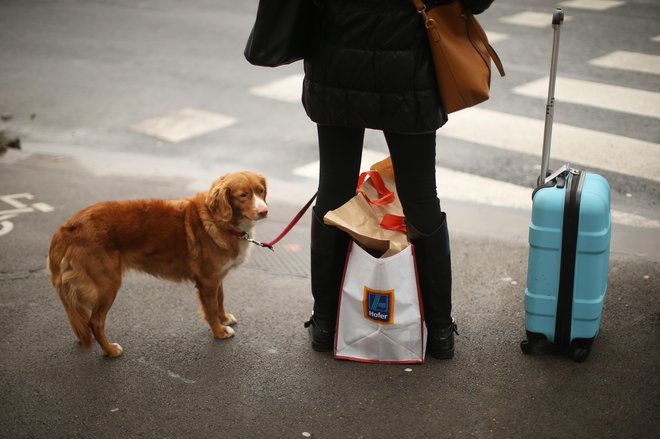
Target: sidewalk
[{"x": 175, "y": 380}]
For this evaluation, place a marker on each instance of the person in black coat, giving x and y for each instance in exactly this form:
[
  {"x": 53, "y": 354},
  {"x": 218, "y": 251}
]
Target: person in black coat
[{"x": 370, "y": 66}]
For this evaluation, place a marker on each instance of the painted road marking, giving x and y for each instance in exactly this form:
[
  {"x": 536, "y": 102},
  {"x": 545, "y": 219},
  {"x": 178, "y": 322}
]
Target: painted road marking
[
  {"x": 12, "y": 200},
  {"x": 531, "y": 19},
  {"x": 632, "y": 61},
  {"x": 5, "y": 227},
  {"x": 609, "y": 97},
  {"x": 593, "y": 5},
  {"x": 162, "y": 370},
  {"x": 18, "y": 207},
  {"x": 462, "y": 186},
  {"x": 600, "y": 150},
  {"x": 183, "y": 125},
  {"x": 288, "y": 89}
]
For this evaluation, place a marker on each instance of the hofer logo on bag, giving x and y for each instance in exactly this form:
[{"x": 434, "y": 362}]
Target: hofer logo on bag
[{"x": 379, "y": 306}]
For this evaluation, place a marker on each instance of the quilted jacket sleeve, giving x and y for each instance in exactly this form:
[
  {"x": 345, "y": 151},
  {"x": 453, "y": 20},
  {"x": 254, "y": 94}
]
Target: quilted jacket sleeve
[{"x": 477, "y": 6}]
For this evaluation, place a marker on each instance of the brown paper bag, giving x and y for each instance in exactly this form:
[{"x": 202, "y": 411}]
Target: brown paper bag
[
  {"x": 373, "y": 217},
  {"x": 385, "y": 169}
]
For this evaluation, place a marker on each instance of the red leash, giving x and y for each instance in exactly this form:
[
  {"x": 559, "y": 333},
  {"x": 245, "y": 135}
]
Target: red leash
[{"x": 286, "y": 230}]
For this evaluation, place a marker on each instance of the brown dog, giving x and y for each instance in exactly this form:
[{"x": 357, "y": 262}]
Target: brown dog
[{"x": 196, "y": 238}]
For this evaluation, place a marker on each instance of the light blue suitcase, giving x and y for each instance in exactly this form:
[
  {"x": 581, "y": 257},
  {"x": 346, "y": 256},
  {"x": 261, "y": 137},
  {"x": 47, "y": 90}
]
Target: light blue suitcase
[{"x": 569, "y": 247}]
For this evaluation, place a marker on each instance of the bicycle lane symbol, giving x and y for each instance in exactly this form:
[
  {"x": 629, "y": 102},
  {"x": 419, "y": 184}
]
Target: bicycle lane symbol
[{"x": 18, "y": 208}]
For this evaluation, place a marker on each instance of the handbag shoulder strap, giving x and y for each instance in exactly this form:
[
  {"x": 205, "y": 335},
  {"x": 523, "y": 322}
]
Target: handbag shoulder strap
[
  {"x": 421, "y": 8},
  {"x": 419, "y": 5},
  {"x": 484, "y": 39}
]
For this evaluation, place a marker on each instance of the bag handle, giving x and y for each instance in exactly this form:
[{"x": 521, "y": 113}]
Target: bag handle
[
  {"x": 386, "y": 195},
  {"x": 394, "y": 222},
  {"x": 390, "y": 221}
]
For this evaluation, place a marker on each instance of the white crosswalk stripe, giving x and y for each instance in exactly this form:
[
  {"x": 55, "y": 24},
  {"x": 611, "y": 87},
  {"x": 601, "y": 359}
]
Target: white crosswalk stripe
[
  {"x": 634, "y": 62},
  {"x": 609, "y": 97},
  {"x": 183, "y": 125},
  {"x": 453, "y": 185},
  {"x": 496, "y": 37},
  {"x": 287, "y": 89},
  {"x": 531, "y": 19},
  {"x": 461, "y": 186},
  {"x": 594, "y": 5},
  {"x": 578, "y": 145}
]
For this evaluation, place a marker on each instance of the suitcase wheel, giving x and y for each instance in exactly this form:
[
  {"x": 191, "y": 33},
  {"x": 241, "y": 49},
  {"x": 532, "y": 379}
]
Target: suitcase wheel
[
  {"x": 580, "y": 353},
  {"x": 581, "y": 348},
  {"x": 527, "y": 346}
]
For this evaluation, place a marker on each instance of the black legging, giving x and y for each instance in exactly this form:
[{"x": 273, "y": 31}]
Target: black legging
[{"x": 413, "y": 158}]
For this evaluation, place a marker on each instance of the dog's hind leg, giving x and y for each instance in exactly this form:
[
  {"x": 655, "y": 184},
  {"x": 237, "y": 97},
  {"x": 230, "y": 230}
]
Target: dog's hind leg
[
  {"x": 226, "y": 318},
  {"x": 208, "y": 296},
  {"x": 97, "y": 323},
  {"x": 107, "y": 285},
  {"x": 75, "y": 291}
]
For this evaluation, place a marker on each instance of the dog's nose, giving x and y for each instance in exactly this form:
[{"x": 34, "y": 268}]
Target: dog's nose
[{"x": 262, "y": 212}]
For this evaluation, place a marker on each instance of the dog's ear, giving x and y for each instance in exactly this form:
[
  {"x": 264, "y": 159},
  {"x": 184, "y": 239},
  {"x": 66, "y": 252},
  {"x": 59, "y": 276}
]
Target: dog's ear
[
  {"x": 217, "y": 199},
  {"x": 262, "y": 181}
]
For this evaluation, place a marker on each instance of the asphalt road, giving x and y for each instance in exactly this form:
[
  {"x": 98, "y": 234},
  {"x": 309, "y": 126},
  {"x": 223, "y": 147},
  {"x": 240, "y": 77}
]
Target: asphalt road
[{"x": 175, "y": 380}]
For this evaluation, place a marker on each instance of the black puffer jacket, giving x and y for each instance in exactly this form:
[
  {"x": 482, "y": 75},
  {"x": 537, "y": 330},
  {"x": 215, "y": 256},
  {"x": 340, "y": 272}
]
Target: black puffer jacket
[{"x": 370, "y": 66}]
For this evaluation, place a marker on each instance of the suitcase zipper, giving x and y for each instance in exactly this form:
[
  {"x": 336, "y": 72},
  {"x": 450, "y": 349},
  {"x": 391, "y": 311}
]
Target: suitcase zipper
[{"x": 570, "y": 229}]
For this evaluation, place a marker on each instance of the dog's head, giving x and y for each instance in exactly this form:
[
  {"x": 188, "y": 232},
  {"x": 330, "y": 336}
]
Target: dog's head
[{"x": 238, "y": 196}]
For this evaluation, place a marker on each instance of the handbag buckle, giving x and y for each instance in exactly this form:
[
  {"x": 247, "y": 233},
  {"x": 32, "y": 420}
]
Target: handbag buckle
[{"x": 428, "y": 22}]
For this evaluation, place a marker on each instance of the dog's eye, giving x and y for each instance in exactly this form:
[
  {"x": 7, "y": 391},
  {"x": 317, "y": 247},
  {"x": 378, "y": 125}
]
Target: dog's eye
[
  {"x": 261, "y": 191},
  {"x": 243, "y": 195}
]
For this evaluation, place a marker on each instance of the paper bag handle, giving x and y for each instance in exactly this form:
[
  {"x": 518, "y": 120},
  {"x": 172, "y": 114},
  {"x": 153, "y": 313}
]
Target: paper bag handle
[
  {"x": 394, "y": 222},
  {"x": 386, "y": 195}
]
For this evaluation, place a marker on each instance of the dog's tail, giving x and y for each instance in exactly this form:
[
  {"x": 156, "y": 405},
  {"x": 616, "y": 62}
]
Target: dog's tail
[{"x": 67, "y": 282}]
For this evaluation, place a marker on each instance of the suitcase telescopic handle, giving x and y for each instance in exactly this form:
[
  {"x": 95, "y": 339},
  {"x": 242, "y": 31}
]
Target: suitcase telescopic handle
[{"x": 557, "y": 20}]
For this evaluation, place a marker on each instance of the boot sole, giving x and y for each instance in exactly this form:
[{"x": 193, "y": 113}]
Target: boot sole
[
  {"x": 442, "y": 355},
  {"x": 322, "y": 347}
]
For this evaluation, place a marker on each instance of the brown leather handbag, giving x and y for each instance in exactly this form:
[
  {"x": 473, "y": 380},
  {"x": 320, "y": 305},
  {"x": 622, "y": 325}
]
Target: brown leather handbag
[{"x": 461, "y": 54}]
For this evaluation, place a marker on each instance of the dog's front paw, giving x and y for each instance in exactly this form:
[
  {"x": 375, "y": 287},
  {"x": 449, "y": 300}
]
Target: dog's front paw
[
  {"x": 228, "y": 319},
  {"x": 114, "y": 350},
  {"x": 224, "y": 332}
]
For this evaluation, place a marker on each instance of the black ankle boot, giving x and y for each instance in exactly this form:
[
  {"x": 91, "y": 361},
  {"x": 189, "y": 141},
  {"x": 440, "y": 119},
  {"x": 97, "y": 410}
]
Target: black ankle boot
[
  {"x": 329, "y": 247},
  {"x": 440, "y": 342},
  {"x": 322, "y": 334},
  {"x": 434, "y": 272}
]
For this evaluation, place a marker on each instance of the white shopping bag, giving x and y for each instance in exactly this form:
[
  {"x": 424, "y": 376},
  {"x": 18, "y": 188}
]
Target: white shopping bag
[{"x": 381, "y": 317}]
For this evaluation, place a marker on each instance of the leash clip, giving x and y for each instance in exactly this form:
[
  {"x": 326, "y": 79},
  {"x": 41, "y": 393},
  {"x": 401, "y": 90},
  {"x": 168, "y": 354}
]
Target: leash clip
[{"x": 246, "y": 237}]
